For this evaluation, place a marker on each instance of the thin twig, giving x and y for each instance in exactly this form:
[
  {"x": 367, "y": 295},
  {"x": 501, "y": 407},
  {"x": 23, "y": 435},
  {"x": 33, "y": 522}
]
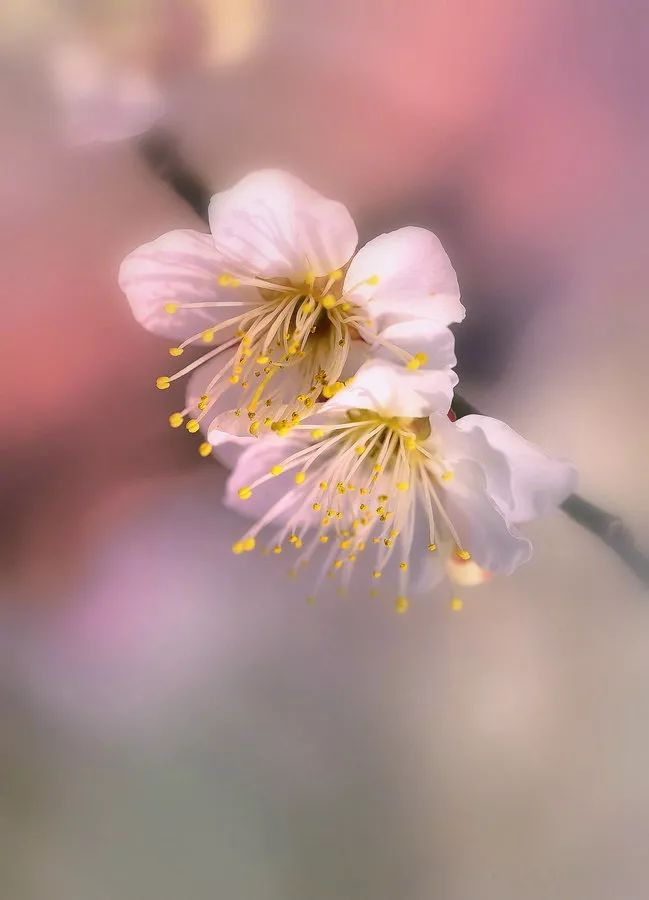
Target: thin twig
[{"x": 160, "y": 152}]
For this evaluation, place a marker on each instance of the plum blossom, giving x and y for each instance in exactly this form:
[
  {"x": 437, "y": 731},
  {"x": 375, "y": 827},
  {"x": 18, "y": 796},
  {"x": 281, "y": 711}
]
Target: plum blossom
[
  {"x": 381, "y": 470},
  {"x": 288, "y": 307}
]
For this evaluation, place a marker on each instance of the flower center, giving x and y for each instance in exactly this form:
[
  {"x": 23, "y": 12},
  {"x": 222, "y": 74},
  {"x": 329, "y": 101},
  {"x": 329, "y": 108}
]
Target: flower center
[
  {"x": 288, "y": 350},
  {"x": 363, "y": 477}
]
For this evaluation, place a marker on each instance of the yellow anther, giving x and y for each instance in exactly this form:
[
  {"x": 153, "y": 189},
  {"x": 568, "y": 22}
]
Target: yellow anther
[
  {"x": 380, "y": 510},
  {"x": 383, "y": 497},
  {"x": 309, "y": 279},
  {"x": 393, "y": 533},
  {"x": 175, "y": 351},
  {"x": 192, "y": 426},
  {"x": 170, "y": 308},
  {"x": 363, "y": 506},
  {"x": 309, "y": 402},
  {"x": 323, "y": 485},
  {"x": 432, "y": 547},
  {"x": 324, "y": 538},
  {"x": 245, "y": 340},
  {"x": 308, "y": 306},
  {"x": 376, "y": 469},
  {"x": 330, "y": 390},
  {"x": 359, "y": 449},
  {"x": 205, "y": 449},
  {"x": 276, "y": 470},
  {"x": 336, "y": 275},
  {"x": 316, "y": 507},
  {"x": 410, "y": 443},
  {"x": 329, "y": 301},
  {"x": 277, "y": 548},
  {"x": 316, "y": 434},
  {"x": 176, "y": 420},
  {"x": 373, "y": 279},
  {"x": 163, "y": 382},
  {"x": 254, "y": 428},
  {"x": 237, "y": 547},
  {"x": 401, "y": 604},
  {"x": 402, "y": 485},
  {"x": 403, "y": 566},
  {"x": 376, "y": 540},
  {"x": 374, "y": 593},
  {"x": 208, "y": 335},
  {"x": 226, "y": 280},
  {"x": 245, "y": 493},
  {"x": 364, "y": 491},
  {"x": 233, "y": 379},
  {"x": 300, "y": 477},
  {"x": 463, "y": 554},
  {"x": 340, "y": 488},
  {"x": 422, "y": 358},
  {"x": 338, "y": 564},
  {"x": 376, "y": 573},
  {"x": 457, "y": 604},
  {"x": 387, "y": 542},
  {"x": 361, "y": 546},
  {"x": 262, "y": 360},
  {"x": 413, "y": 364},
  {"x": 352, "y": 557},
  {"x": 346, "y": 544},
  {"x": 346, "y": 307},
  {"x": 326, "y": 521},
  {"x": 203, "y": 403},
  {"x": 249, "y": 544},
  {"x": 447, "y": 476}
]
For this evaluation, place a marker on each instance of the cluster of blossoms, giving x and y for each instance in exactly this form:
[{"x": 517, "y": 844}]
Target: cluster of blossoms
[{"x": 326, "y": 382}]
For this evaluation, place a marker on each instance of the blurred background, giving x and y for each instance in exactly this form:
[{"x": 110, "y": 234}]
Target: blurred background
[{"x": 177, "y": 723}]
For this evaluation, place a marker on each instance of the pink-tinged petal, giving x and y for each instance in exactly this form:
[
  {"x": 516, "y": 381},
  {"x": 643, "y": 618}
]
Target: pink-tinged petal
[
  {"x": 430, "y": 385},
  {"x": 227, "y": 447},
  {"x": 273, "y": 225},
  {"x": 179, "y": 267},
  {"x": 280, "y": 490},
  {"x": 375, "y": 387},
  {"x": 405, "y": 274},
  {"x": 390, "y": 388},
  {"x": 538, "y": 483},
  {"x": 481, "y": 526}
]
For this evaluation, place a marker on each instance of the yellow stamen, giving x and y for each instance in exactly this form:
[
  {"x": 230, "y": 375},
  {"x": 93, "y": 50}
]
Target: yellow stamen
[
  {"x": 163, "y": 382},
  {"x": 205, "y": 449},
  {"x": 176, "y": 420},
  {"x": 401, "y": 604}
]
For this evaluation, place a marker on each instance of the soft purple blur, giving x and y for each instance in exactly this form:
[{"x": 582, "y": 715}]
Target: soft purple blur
[{"x": 177, "y": 722}]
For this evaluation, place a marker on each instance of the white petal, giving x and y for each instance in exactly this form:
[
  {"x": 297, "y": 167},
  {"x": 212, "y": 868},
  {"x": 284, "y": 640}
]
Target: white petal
[
  {"x": 271, "y": 224},
  {"x": 256, "y": 461},
  {"x": 415, "y": 278},
  {"x": 429, "y": 388},
  {"x": 480, "y": 524},
  {"x": 538, "y": 483},
  {"x": 180, "y": 267},
  {"x": 377, "y": 386},
  {"x": 391, "y": 389}
]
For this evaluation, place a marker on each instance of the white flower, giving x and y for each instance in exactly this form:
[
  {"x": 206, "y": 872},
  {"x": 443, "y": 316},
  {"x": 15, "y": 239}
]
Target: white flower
[
  {"x": 382, "y": 468},
  {"x": 287, "y": 309}
]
